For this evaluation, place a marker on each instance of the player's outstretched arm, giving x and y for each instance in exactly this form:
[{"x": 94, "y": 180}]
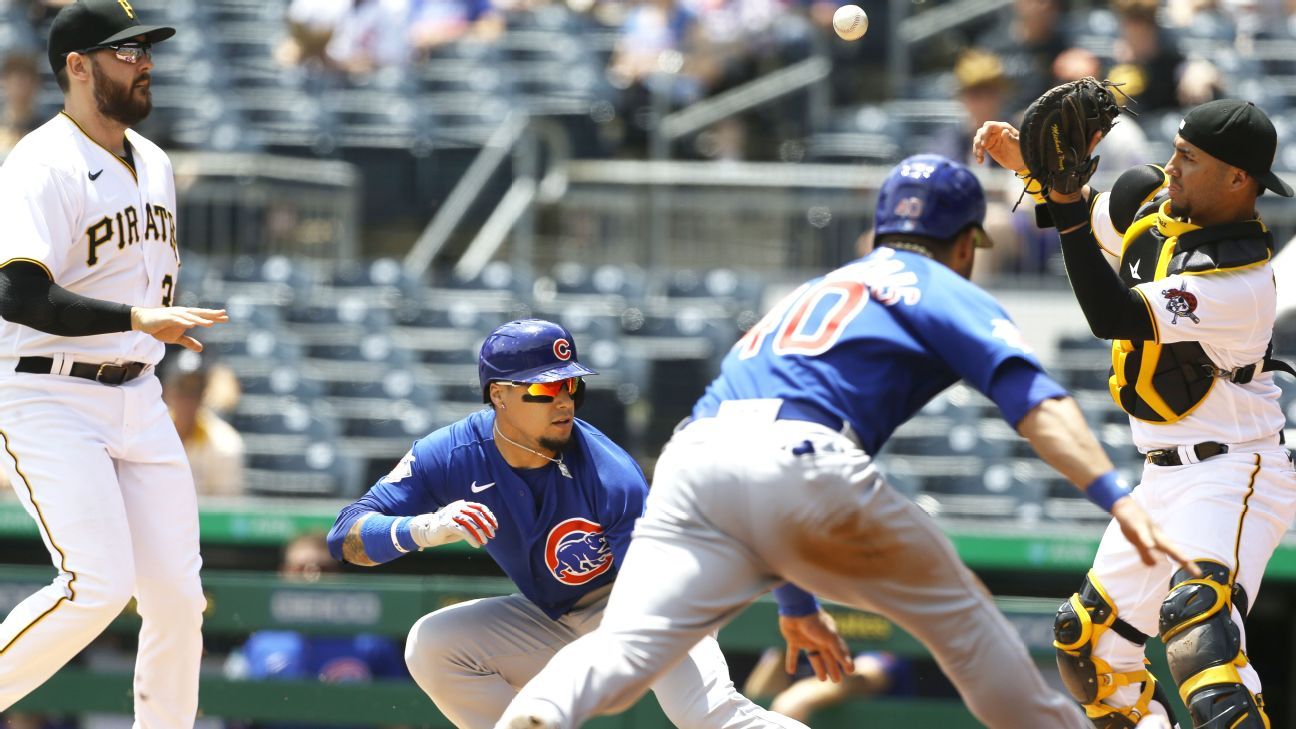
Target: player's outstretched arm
[
  {"x": 371, "y": 538},
  {"x": 1056, "y": 429},
  {"x": 170, "y": 324}
]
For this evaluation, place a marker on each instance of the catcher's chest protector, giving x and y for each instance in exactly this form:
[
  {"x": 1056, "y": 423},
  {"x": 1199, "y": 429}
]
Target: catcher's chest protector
[{"x": 1163, "y": 383}]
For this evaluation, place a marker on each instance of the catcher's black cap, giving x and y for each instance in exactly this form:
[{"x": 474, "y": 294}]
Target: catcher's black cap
[
  {"x": 89, "y": 23},
  {"x": 1239, "y": 134}
]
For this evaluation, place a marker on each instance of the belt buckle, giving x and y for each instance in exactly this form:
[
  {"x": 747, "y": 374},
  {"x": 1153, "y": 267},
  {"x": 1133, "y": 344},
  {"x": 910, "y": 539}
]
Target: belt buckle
[
  {"x": 120, "y": 369},
  {"x": 1160, "y": 456}
]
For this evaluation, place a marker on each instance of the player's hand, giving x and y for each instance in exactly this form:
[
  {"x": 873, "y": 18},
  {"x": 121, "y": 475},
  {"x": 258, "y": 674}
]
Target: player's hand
[
  {"x": 170, "y": 324},
  {"x": 817, "y": 635},
  {"x": 1002, "y": 142},
  {"x": 1146, "y": 536},
  {"x": 461, "y": 520}
]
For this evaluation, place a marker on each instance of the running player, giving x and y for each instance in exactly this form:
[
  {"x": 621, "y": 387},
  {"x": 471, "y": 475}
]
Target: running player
[
  {"x": 774, "y": 480},
  {"x": 87, "y": 276}
]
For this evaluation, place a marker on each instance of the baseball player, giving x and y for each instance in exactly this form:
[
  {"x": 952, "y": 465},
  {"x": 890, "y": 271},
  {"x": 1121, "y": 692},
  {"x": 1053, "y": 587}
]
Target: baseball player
[
  {"x": 553, "y": 501},
  {"x": 87, "y": 276},
  {"x": 773, "y": 479},
  {"x": 1190, "y": 310}
]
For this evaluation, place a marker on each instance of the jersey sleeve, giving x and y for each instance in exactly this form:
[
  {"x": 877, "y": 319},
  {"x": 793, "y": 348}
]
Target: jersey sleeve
[
  {"x": 1110, "y": 240},
  {"x": 1221, "y": 309},
  {"x": 39, "y": 216},
  {"x": 968, "y": 330}
]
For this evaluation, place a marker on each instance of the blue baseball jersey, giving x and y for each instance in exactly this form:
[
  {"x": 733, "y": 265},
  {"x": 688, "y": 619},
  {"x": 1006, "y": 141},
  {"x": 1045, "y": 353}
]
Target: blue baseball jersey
[
  {"x": 875, "y": 340},
  {"x": 558, "y": 538}
]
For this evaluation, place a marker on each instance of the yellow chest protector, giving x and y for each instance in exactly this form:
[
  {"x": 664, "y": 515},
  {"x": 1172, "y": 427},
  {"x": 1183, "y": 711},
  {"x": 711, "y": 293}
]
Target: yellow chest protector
[{"x": 1163, "y": 383}]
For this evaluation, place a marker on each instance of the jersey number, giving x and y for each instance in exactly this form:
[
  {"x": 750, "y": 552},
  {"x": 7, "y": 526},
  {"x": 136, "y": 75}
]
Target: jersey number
[
  {"x": 791, "y": 319},
  {"x": 168, "y": 284}
]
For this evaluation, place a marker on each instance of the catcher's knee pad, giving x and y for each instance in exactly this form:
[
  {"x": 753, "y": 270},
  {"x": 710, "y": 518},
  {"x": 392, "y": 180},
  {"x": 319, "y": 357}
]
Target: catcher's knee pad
[
  {"x": 1079, "y": 623},
  {"x": 1204, "y": 649}
]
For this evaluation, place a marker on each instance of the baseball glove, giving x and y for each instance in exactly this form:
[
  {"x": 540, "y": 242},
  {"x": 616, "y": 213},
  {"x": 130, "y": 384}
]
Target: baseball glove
[{"x": 1057, "y": 129}]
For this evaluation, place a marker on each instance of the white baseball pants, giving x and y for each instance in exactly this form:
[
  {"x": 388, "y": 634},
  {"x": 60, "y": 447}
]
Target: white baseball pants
[
  {"x": 732, "y": 512},
  {"x": 1233, "y": 509},
  {"x": 103, "y": 473}
]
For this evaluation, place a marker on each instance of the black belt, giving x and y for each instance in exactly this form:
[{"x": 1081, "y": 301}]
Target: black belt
[
  {"x": 1170, "y": 456},
  {"x": 107, "y": 373}
]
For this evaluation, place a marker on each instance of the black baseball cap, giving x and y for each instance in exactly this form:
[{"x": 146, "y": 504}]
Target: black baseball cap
[
  {"x": 1237, "y": 133},
  {"x": 89, "y": 23}
]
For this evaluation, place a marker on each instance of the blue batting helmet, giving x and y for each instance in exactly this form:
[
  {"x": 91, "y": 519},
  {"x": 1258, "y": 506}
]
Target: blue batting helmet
[
  {"x": 931, "y": 196},
  {"x": 528, "y": 350}
]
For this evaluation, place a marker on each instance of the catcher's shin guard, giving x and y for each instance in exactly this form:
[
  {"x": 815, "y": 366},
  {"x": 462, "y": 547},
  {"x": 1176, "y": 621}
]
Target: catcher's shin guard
[
  {"x": 1204, "y": 649},
  {"x": 1079, "y": 623}
]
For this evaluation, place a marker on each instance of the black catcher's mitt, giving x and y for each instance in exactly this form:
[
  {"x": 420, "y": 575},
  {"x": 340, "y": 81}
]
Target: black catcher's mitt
[{"x": 1057, "y": 129}]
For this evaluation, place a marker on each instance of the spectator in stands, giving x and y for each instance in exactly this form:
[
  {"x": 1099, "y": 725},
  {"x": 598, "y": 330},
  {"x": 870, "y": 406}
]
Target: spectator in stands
[
  {"x": 435, "y": 23},
  {"x": 282, "y": 655},
  {"x": 1154, "y": 71},
  {"x": 310, "y": 27},
  {"x": 654, "y": 55},
  {"x": 372, "y": 36},
  {"x": 21, "y": 83},
  {"x": 1028, "y": 42},
  {"x": 983, "y": 90},
  {"x": 800, "y": 695},
  {"x": 355, "y": 37},
  {"x": 214, "y": 447}
]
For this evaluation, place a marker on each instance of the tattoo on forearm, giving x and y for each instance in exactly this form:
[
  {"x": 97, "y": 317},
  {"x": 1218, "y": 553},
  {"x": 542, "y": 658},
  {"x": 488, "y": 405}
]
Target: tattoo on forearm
[{"x": 353, "y": 549}]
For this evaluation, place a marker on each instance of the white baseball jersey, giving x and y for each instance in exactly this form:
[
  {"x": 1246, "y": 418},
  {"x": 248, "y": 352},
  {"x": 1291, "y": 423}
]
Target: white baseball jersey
[
  {"x": 98, "y": 467},
  {"x": 1231, "y": 314},
  {"x": 93, "y": 223}
]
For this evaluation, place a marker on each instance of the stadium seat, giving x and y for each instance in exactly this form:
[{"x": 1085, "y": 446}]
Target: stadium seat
[{"x": 320, "y": 469}]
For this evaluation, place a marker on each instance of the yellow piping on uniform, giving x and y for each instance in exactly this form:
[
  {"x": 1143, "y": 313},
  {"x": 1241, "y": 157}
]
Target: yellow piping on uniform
[
  {"x": 1246, "y": 506},
  {"x": 30, "y": 260},
  {"x": 71, "y": 585},
  {"x": 116, "y": 156}
]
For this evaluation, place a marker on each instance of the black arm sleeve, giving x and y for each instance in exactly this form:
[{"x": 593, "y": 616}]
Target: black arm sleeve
[
  {"x": 1112, "y": 310},
  {"x": 30, "y": 298}
]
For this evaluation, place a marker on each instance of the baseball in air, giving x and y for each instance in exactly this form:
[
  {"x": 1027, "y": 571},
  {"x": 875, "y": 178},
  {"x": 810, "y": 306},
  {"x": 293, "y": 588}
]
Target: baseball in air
[{"x": 850, "y": 22}]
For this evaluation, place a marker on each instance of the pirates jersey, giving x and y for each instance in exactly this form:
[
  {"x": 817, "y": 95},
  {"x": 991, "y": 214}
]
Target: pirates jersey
[
  {"x": 1225, "y": 307},
  {"x": 100, "y": 226}
]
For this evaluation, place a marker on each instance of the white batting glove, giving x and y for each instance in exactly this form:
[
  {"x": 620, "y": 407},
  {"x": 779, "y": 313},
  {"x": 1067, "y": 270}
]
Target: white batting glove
[{"x": 461, "y": 520}]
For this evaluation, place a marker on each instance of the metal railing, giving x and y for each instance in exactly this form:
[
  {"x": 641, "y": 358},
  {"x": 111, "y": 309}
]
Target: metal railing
[{"x": 259, "y": 204}]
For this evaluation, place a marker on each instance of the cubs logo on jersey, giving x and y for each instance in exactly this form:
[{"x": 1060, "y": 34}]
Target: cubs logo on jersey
[{"x": 577, "y": 551}]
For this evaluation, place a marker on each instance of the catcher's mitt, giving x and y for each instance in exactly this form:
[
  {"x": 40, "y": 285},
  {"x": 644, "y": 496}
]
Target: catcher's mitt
[{"x": 1057, "y": 129}]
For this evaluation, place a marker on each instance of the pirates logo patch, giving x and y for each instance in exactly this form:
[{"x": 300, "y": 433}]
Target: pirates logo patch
[{"x": 1179, "y": 302}]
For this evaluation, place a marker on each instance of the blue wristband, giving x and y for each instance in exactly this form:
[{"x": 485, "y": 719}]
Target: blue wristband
[
  {"x": 386, "y": 537},
  {"x": 1105, "y": 490},
  {"x": 793, "y": 602}
]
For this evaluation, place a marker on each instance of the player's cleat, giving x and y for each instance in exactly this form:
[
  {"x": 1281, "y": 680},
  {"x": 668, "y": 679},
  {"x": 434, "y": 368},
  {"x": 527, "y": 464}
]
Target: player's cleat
[{"x": 533, "y": 715}]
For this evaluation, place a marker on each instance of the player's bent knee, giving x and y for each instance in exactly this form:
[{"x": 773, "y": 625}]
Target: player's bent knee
[
  {"x": 1204, "y": 649},
  {"x": 1079, "y": 623},
  {"x": 430, "y": 640}
]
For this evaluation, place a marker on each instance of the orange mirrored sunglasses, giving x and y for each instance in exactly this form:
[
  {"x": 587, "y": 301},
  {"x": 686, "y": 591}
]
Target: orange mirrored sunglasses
[{"x": 549, "y": 389}]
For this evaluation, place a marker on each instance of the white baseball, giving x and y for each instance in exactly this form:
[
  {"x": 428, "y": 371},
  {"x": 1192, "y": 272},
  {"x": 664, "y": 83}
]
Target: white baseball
[{"x": 850, "y": 22}]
